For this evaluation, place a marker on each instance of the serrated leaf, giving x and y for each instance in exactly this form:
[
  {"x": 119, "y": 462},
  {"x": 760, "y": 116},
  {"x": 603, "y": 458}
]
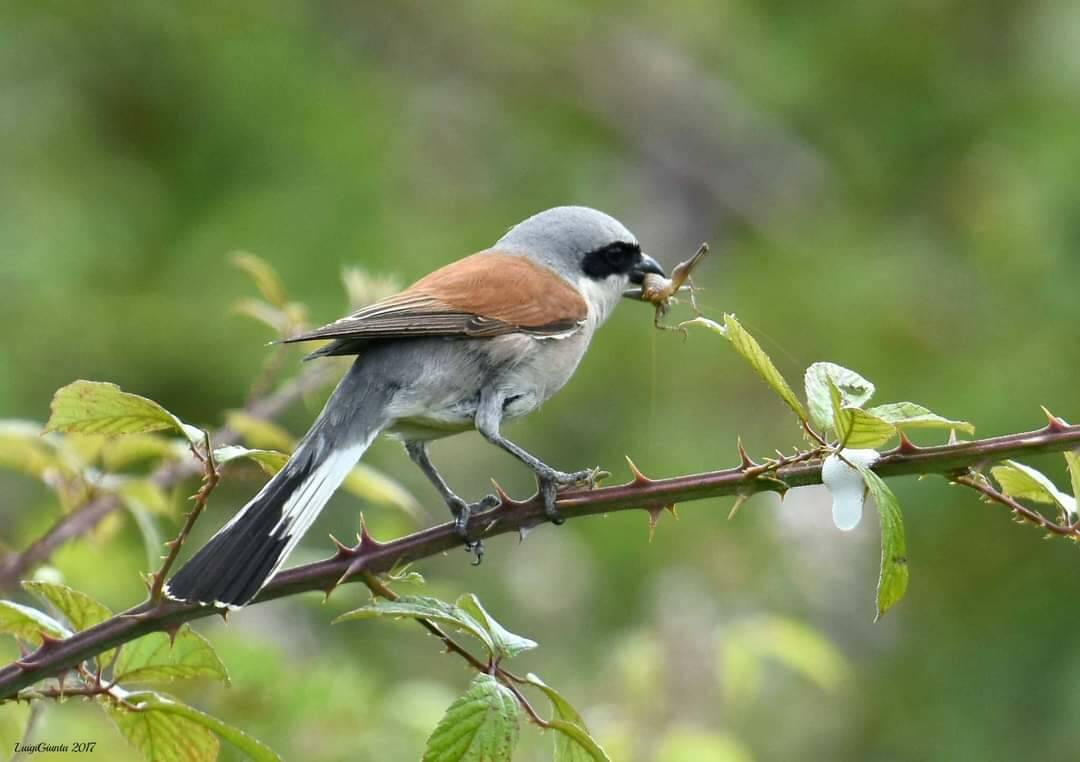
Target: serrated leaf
[
  {"x": 270, "y": 461},
  {"x": 162, "y": 736},
  {"x": 265, "y": 277},
  {"x": 855, "y": 391},
  {"x": 143, "y": 494},
  {"x": 95, "y": 407},
  {"x": 507, "y": 644},
  {"x": 424, "y": 607},
  {"x": 908, "y": 415},
  {"x": 573, "y": 743},
  {"x": 258, "y": 432},
  {"x": 28, "y": 623},
  {"x": 856, "y": 428},
  {"x": 747, "y": 346},
  {"x": 1072, "y": 461},
  {"x": 480, "y": 726},
  {"x": 893, "y": 579},
  {"x": 1027, "y": 483},
  {"x": 372, "y": 485},
  {"x": 119, "y": 452},
  {"x": 79, "y": 609},
  {"x": 188, "y": 717},
  {"x": 153, "y": 658}
]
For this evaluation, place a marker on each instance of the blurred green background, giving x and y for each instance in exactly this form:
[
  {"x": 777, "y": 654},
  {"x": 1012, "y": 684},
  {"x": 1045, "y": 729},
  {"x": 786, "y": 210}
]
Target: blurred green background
[{"x": 892, "y": 187}]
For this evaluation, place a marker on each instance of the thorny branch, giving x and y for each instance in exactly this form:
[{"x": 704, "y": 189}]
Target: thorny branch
[{"x": 950, "y": 460}]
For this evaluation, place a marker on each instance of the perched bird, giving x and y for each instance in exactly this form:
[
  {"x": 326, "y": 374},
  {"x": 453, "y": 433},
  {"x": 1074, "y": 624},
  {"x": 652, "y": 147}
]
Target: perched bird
[{"x": 480, "y": 341}]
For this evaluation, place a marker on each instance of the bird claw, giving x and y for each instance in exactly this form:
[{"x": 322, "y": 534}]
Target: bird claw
[
  {"x": 551, "y": 483},
  {"x": 462, "y": 513}
]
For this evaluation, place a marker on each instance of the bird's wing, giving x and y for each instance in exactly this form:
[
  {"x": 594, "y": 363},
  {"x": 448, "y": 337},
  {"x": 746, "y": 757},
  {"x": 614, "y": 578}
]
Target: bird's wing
[{"x": 483, "y": 295}]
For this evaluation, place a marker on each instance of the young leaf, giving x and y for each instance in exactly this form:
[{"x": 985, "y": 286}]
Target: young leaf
[
  {"x": 374, "y": 486},
  {"x": 747, "y": 346},
  {"x": 94, "y": 407},
  {"x": 265, "y": 277},
  {"x": 1026, "y": 483},
  {"x": 480, "y": 726},
  {"x": 162, "y": 736},
  {"x": 856, "y": 428},
  {"x": 573, "y": 742},
  {"x": 270, "y": 461},
  {"x": 78, "y": 608},
  {"x": 153, "y": 658},
  {"x": 893, "y": 580},
  {"x": 908, "y": 415},
  {"x": 507, "y": 644},
  {"x": 854, "y": 390},
  {"x": 28, "y": 623},
  {"x": 188, "y": 717},
  {"x": 424, "y": 607}
]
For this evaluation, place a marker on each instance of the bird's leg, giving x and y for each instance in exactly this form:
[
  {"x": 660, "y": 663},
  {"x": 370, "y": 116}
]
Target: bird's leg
[
  {"x": 549, "y": 480},
  {"x": 460, "y": 509}
]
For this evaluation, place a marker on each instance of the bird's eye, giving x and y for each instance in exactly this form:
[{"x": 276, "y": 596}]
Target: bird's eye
[{"x": 616, "y": 258}]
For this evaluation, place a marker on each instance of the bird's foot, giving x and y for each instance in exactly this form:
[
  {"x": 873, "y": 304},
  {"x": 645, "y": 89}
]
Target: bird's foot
[
  {"x": 462, "y": 512},
  {"x": 552, "y": 481}
]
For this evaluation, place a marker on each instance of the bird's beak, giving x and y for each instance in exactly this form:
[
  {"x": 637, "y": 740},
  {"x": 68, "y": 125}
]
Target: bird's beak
[{"x": 645, "y": 265}]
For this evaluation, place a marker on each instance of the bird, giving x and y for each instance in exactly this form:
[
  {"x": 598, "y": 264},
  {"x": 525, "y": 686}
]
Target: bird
[{"x": 479, "y": 342}]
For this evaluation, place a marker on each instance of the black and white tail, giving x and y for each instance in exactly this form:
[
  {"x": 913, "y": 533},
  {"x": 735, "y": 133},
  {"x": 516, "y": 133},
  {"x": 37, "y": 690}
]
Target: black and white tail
[{"x": 245, "y": 553}]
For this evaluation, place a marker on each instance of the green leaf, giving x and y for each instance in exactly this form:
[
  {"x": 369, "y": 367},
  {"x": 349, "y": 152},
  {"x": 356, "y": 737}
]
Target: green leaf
[
  {"x": 573, "y": 743},
  {"x": 28, "y": 623},
  {"x": 480, "y": 726},
  {"x": 270, "y": 461},
  {"x": 1026, "y": 483},
  {"x": 908, "y": 415},
  {"x": 855, "y": 391},
  {"x": 747, "y": 346},
  {"x": 79, "y": 609},
  {"x": 372, "y": 485},
  {"x": 507, "y": 644},
  {"x": 893, "y": 580},
  {"x": 258, "y": 432},
  {"x": 95, "y": 407},
  {"x": 143, "y": 494},
  {"x": 1072, "y": 460},
  {"x": 265, "y": 277},
  {"x": 169, "y": 715},
  {"x": 424, "y": 607},
  {"x": 856, "y": 428},
  {"x": 162, "y": 736},
  {"x": 153, "y": 658}
]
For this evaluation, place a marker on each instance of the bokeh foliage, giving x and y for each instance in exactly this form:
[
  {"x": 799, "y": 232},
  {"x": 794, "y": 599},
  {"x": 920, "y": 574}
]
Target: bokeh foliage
[{"x": 891, "y": 186}]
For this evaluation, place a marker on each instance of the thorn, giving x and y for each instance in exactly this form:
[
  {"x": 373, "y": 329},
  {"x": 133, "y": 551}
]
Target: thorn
[
  {"x": 172, "y": 631},
  {"x": 952, "y": 437},
  {"x": 640, "y": 479},
  {"x": 367, "y": 542},
  {"x": 746, "y": 461},
  {"x": 1053, "y": 422},
  {"x": 343, "y": 550},
  {"x": 672, "y": 508},
  {"x": 224, "y": 614},
  {"x": 504, "y": 497},
  {"x": 654, "y": 518},
  {"x": 740, "y": 498},
  {"x": 906, "y": 446},
  {"x": 523, "y": 532},
  {"x": 354, "y": 567},
  {"x": 778, "y": 486}
]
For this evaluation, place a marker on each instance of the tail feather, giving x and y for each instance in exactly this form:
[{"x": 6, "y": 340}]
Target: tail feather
[{"x": 237, "y": 561}]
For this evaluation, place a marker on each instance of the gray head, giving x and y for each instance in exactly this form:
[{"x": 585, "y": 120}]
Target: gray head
[{"x": 581, "y": 243}]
